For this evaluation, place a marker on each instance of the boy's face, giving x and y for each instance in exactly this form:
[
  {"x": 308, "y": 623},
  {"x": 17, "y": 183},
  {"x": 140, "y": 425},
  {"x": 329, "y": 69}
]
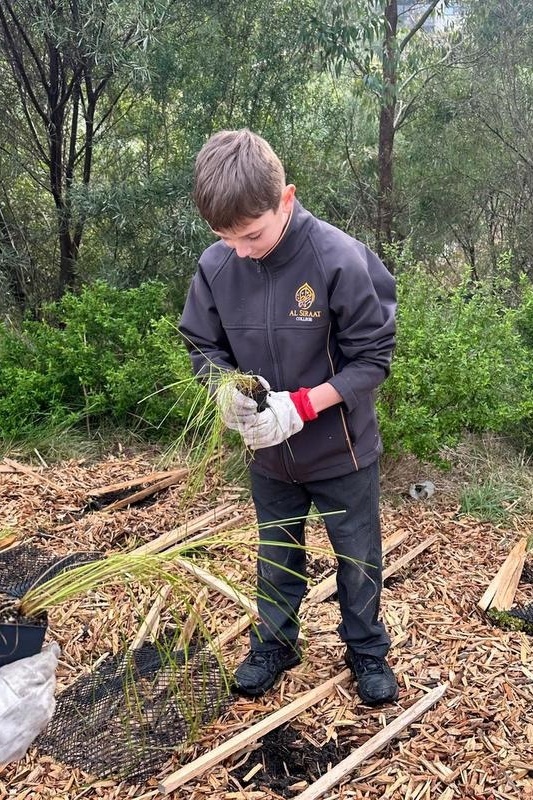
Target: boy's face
[{"x": 254, "y": 238}]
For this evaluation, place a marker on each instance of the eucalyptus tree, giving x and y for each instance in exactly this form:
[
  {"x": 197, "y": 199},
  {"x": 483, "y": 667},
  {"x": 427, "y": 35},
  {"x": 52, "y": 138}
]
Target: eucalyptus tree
[
  {"x": 471, "y": 190},
  {"x": 238, "y": 66},
  {"x": 375, "y": 44},
  {"x": 65, "y": 66},
  {"x": 500, "y": 107}
]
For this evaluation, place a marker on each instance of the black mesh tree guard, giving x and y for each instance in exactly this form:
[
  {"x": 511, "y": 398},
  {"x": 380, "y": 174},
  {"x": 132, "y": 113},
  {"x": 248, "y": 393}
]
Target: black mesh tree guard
[
  {"x": 26, "y": 565},
  {"x": 523, "y": 612},
  {"x": 129, "y": 715},
  {"x": 134, "y": 710}
]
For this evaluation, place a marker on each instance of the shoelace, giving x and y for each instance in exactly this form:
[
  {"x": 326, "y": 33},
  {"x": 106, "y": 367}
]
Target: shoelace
[
  {"x": 257, "y": 658},
  {"x": 369, "y": 664},
  {"x": 260, "y": 658}
]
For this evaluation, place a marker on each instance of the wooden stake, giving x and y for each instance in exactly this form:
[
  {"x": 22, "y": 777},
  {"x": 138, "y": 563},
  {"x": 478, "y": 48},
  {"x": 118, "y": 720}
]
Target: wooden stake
[
  {"x": 219, "y": 585},
  {"x": 100, "y": 491},
  {"x": 377, "y": 742},
  {"x": 192, "y": 620},
  {"x": 176, "y": 535},
  {"x": 321, "y": 591},
  {"x": 243, "y": 739},
  {"x": 500, "y": 592},
  {"x": 394, "y": 540},
  {"x": 233, "y": 631},
  {"x": 8, "y": 540},
  {"x": 33, "y": 473},
  {"x": 136, "y": 497},
  {"x": 150, "y": 622},
  {"x": 412, "y": 554}
]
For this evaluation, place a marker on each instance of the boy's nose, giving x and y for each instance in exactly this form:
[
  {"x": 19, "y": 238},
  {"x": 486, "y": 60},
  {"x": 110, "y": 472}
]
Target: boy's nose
[{"x": 243, "y": 250}]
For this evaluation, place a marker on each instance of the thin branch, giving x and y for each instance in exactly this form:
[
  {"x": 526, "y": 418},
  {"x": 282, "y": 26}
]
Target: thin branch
[
  {"x": 504, "y": 141},
  {"x": 33, "y": 131},
  {"x": 27, "y": 42},
  {"x": 105, "y": 116},
  {"x": 26, "y": 168},
  {"x": 418, "y": 24},
  {"x": 16, "y": 63},
  {"x": 75, "y": 78},
  {"x": 403, "y": 113}
]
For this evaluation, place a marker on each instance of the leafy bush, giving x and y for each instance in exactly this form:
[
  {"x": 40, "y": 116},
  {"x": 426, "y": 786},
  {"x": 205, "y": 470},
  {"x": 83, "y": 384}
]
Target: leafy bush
[
  {"x": 460, "y": 364},
  {"x": 523, "y": 431},
  {"x": 94, "y": 356}
]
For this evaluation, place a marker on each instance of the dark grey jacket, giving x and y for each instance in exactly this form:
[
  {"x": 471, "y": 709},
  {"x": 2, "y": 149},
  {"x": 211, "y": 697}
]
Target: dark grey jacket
[{"x": 320, "y": 307}]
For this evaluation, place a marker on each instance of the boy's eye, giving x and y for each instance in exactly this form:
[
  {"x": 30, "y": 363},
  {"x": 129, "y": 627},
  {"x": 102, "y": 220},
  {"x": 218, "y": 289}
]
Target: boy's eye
[{"x": 254, "y": 237}]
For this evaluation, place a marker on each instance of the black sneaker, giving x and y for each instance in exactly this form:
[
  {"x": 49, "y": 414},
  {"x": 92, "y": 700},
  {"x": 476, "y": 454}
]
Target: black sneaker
[
  {"x": 259, "y": 670},
  {"x": 376, "y": 683}
]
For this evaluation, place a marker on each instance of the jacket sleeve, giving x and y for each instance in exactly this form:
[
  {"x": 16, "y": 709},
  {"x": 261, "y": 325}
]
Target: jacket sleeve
[
  {"x": 202, "y": 330},
  {"x": 363, "y": 304}
]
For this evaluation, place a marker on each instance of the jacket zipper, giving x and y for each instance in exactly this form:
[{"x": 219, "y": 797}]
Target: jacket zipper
[{"x": 284, "y": 451}]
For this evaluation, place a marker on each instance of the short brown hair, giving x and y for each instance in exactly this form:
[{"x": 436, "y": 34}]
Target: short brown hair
[{"x": 237, "y": 177}]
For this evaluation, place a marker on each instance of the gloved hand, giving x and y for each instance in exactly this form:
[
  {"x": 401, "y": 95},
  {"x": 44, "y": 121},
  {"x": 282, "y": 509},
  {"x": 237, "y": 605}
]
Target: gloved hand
[
  {"x": 236, "y": 409},
  {"x": 27, "y": 701},
  {"x": 284, "y": 416}
]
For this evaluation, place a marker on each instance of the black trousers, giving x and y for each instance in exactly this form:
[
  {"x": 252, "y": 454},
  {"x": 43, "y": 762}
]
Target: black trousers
[{"x": 355, "y": 537}]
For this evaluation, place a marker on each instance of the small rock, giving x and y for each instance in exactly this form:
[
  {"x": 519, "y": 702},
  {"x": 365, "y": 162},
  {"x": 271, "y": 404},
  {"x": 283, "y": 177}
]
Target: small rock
[{"x": 421, "y": 491}]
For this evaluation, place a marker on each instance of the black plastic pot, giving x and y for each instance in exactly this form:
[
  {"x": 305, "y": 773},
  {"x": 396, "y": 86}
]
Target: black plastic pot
[{"x": 21, "y": 639}]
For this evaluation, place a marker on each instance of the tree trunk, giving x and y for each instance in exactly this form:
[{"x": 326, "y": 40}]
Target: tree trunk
[
  {"x": 17, "y": 288},
  {"x": 385, "y": 211}
]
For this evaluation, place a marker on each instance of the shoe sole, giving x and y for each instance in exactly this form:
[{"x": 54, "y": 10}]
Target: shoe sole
[{"x": 257, "y": 691}]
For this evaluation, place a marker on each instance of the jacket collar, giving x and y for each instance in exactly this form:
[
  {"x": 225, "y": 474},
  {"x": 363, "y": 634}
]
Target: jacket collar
[{"x": 290, "y": 240}]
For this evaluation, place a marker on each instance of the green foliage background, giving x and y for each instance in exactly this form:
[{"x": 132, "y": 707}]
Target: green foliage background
[
  {"x": 93, "y": 359},
  {"x": 461, "y": 365},
  {"x": 113, "y": 356},
  {"x": 155, "y": 80}
]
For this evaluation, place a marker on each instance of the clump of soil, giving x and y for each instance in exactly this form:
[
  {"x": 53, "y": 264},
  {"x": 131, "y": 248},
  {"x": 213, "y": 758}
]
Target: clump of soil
[
  {"x": 288, "y": 760},
  {"x": 11, "y": 614},
  {"x": 8, "y": 609},
  {"x": 251, "y": 387}
]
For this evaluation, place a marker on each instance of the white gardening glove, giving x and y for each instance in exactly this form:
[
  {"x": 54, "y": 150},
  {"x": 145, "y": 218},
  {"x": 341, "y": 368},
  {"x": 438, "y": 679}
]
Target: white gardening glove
[
  {"x": 237, "y": 409},
  {"x": 27, "y": 701},
  {"x": 275, "y": 424}
]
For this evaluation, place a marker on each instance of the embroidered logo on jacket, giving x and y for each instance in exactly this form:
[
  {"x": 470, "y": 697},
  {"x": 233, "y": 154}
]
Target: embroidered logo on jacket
[{"x": 305, "y": 297}]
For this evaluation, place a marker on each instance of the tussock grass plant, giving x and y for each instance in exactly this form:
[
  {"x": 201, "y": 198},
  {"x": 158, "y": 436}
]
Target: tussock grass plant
[
  {"x": 173, "y": 566},
  {"x": 52, "y": 443},
  {"x": 490, "y": 501},
  {"x": 203, "y": 436},
  {"x": 186, "y": 675},
  {"x": 498, "y": 479}
]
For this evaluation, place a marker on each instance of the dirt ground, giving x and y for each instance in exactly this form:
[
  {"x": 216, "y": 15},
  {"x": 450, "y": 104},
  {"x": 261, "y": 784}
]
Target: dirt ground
[{"x": 475, "y": 742}]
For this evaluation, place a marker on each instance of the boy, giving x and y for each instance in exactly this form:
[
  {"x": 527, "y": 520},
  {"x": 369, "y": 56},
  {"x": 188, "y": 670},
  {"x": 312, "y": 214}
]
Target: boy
[{"x": 310, "y": 310}]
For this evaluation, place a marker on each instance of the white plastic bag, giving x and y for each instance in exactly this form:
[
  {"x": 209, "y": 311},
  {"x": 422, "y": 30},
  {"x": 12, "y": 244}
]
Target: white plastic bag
[{"x": 27, "y": 701}]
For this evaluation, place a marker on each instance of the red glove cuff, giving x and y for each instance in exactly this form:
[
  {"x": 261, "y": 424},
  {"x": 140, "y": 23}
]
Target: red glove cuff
[{"x": 303, "y": 404}]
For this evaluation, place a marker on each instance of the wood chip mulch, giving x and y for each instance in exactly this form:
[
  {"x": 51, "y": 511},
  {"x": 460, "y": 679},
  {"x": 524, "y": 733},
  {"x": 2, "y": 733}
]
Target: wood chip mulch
[{"x": 477, "y": 742}]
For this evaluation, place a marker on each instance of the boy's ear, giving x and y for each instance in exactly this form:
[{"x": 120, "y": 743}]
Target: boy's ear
[{"x": 287, "y": 197}]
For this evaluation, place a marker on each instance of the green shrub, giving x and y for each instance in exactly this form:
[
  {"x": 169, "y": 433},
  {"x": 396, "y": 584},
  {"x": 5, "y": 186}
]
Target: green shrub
[
  {"x": 460, "y": 365},
  {"x": 94, "y": 357},
  {"x": 523, "y": 431}
]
